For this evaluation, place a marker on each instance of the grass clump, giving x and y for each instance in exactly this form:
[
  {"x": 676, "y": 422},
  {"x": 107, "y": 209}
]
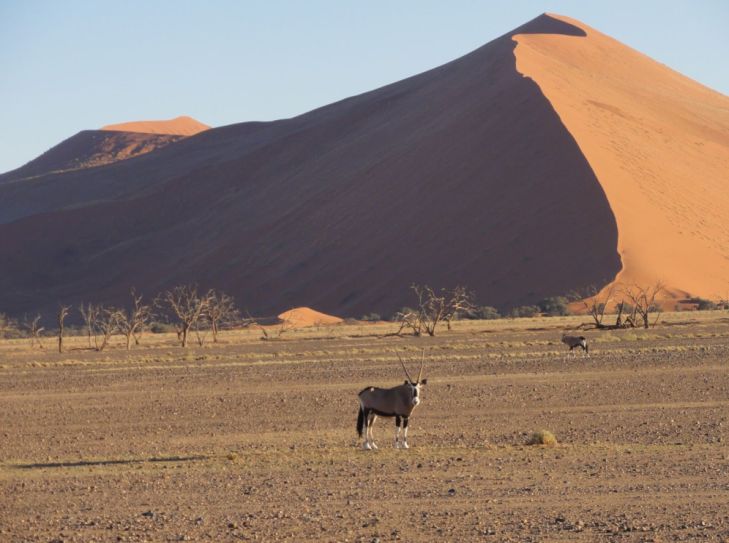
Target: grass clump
[{"x": 542, "y": 437}]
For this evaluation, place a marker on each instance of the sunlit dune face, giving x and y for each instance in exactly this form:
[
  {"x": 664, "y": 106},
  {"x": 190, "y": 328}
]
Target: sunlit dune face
[
  {"x": 658, "y": 143},
  {"x": 181, "y": 126}
]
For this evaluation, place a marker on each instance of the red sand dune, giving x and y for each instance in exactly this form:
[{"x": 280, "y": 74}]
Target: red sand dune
[
  {"x": 659, "y": 145},
  {"x": 181, "y": 126},
  {"x": 301, "y": 317},
  {"x": 600, "y": 164}
]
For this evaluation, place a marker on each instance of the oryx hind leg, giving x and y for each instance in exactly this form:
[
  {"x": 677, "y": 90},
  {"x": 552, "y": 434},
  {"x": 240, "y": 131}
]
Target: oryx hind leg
[
  {"x": 366, "y": 444},
  {"x": 370, "y": 425},
  {"x": 397, "y": 432}
]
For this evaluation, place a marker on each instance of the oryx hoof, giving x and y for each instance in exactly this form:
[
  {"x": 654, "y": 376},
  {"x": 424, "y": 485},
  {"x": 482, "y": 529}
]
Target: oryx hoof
[
  {"x": 404, "y": 445},
  {"x": 397, "y": 445},
  {"x": 374, "y": 446},
  {"x": 366, "y": 446}
]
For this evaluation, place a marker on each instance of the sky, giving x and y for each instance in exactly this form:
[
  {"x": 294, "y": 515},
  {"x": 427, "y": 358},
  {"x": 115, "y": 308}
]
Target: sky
[{"x": 73, "y": 65}]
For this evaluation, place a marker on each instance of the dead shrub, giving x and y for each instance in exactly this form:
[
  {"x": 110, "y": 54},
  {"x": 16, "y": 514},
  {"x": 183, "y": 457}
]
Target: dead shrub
[{"x": 542, "y": 437}]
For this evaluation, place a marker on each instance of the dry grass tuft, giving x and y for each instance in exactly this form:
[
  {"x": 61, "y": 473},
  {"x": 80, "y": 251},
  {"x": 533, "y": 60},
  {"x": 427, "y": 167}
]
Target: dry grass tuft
[{"x": 542, "y": 437}]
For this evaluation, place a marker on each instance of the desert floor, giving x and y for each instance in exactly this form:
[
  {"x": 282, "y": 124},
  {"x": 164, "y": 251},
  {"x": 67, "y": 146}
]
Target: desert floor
[{"x": 250, "y": 440}]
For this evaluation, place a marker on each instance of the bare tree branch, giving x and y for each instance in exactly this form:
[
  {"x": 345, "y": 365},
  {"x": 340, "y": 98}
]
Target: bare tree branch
[
  {"x": 643, "y": 300},
  {"x": 34, "y": 330},
  {"x": 433, "y": 308},
  {"x": 132, "y": 323},
  {"x": 221, "y": 310},
  {"x": 62, "y": 314},
  {"x": 90, "y": 313},
  {"x": 186, "y": 306}
]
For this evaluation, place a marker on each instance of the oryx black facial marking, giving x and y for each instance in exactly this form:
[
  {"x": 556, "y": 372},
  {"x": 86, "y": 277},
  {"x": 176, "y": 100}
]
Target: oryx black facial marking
[{"x": 397, "y": 402}]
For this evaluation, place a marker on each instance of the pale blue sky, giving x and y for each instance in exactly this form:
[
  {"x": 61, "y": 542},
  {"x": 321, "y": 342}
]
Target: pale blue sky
[{"x": 69, "y": 65}]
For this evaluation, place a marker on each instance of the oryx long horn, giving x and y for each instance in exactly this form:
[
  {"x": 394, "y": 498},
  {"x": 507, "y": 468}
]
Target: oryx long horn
[
  {"x": 403, "y": 367},
  {"x": 422, "y": 363}
]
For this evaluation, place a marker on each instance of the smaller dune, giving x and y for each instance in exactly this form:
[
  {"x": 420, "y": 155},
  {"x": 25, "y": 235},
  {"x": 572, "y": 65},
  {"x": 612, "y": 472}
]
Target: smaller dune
[
  {"x": 301, "y": 317},
  {"x": 179, "y": 126}
]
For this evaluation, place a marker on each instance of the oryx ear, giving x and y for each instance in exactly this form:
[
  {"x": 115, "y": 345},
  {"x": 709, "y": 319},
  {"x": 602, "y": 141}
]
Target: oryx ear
[
  {"x": 424, "y": 382},
  {"x": 405, "y": 382}
]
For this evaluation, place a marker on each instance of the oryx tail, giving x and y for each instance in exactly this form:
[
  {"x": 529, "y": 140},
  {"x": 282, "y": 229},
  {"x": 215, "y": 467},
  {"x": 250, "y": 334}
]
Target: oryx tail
[{"x": 360, "y": 421}]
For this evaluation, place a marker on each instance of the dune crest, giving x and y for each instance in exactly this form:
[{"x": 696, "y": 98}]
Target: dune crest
[
  {"x": 301, "y": 317},
  {"x": 179, "y": 126},
  {"x": 658, "y": 143}
]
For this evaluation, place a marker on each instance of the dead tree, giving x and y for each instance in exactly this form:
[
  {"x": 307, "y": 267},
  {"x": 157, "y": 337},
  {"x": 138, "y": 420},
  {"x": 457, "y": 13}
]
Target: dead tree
[
  {"x": 596, "y": 305},
  {"x": 187, "y": 307},
  {"x": 62, "y": 314},
  {"x": 221, "y": 310},
  {"x": 4, "y": 324},
  {"x": 90, "y": 313},
  {"x": 643, "y": 300},
  {"x": 107, "y": 323},
  {"x": 433, "y": 309},
  {"x": 34, "y": 330},
  {"x": 133, "y": 322}
]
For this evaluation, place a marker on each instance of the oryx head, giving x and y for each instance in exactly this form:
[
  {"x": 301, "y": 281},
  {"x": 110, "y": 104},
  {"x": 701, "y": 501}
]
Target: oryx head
[{"x": 414, "y": 386}]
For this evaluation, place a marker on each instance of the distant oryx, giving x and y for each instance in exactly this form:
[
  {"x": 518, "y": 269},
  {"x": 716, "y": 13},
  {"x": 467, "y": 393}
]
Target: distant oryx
[
  {"x": 576, "y": 341},
  {"x": 397, "y": 402}
]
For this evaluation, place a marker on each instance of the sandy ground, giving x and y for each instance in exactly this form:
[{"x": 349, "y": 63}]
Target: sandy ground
[{"x": 252, "y": 440}]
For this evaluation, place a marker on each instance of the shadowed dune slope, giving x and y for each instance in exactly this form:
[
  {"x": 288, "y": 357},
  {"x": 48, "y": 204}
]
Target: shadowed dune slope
[
  {"x": 659, "y": 145},
  {"x": 460, "y": 175},
  {"x": 88, "y": 149}
]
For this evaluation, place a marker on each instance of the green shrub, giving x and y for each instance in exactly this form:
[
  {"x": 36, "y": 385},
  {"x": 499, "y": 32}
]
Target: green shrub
[
  {"x": 524, "y": 311},
  {"x": 702, "y": 304},
  {"x": 488, "y": 312},
  {"x": 161, "y": 328},
  {"x": 554, "y": 306}
]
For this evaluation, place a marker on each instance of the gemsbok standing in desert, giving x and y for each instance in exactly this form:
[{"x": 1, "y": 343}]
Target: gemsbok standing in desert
[
  {"x": 397, "y": 402},
  {"x": 576, "y": 341}
]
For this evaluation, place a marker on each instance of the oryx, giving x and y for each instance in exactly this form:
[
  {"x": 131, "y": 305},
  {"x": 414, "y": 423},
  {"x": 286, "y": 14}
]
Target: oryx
[
  {"x": 576, "y": 341},
  {"x": 397, "y": 402}
]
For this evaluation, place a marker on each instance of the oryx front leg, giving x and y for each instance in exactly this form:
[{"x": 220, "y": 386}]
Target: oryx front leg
[
  {"x": 397, "y": 432},
  {"x": 405, "y": 433}
]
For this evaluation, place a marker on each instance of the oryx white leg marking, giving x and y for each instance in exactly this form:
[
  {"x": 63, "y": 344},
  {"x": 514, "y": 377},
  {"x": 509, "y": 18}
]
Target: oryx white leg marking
[
  {"x": 397, "y": 438},
  {"x": 372, "y": 431},
  {"x": 405, "y": 435}
]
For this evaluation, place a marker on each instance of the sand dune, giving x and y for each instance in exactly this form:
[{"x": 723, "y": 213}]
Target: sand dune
[
  {"x": 659, "y": 145},
  {"x": 599, "y": 164},
  {"x": 181, "y": 126},
  {"x": 301, "y": 317},
  {"x": 89, "y": 149}
]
